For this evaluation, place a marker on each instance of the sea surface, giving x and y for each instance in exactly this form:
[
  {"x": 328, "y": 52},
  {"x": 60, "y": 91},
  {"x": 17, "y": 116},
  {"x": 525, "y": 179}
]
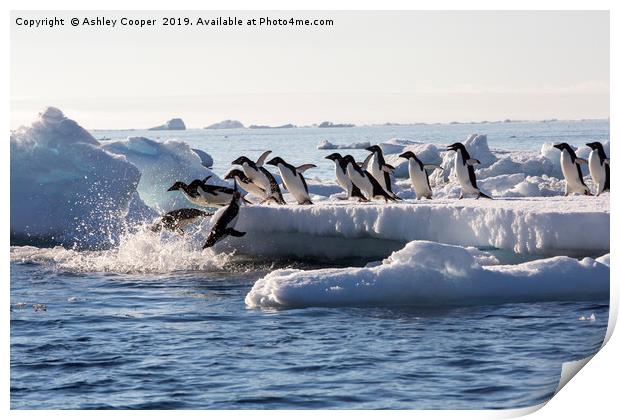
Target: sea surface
[{"x": 105, "y": 330}]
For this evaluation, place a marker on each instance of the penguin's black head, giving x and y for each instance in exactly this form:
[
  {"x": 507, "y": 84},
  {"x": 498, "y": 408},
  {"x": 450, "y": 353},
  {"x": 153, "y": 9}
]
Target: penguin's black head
[
  {"x": 563, "y": 146},
  {"x": 374, "y": 149},
  {"x": 595, "y": 145},
  {"x": 276, "y": 161},
  {"x": 456, "y": 146},
  {"x": 177, "y": 186},
  {"x": 349, "y": 159},
  {"x": 334, "y": 157},
  {"x": 241, "y": 160},
  {"x": 234, "y": 173},
  {"x": 407, "y": 155}
]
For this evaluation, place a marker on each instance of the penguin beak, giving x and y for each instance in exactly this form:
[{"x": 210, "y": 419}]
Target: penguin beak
[
  {"x": 173, "y": 188},
  {"x": 236, "y": 161},
  {"x": 451, "y": 147},
  {"x": 404, "y": 156},
  {"x": 557, "y": 146},
  {"x": 272, "y": 162},
  {"x": 591, "y": 145}
]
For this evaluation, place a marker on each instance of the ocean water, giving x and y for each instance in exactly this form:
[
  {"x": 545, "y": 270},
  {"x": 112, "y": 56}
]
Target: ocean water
[
  {"x": 135, "y": 328},
  {"x": 298, "y": 145}
]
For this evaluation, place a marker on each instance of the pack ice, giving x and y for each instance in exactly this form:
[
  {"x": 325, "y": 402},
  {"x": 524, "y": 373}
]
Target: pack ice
[{"x": 427, "y": 273}]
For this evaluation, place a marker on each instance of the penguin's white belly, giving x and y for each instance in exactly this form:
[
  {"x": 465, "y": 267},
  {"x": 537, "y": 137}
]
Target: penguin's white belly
[
  {"x": 294, "y": 184},
  {"x": 376, "y": 172},
  {"x": 219, "y": 199},
  {"x": 343, "y": 180},
  {"x": 257, "y": 177},
  {"x": 362, "y": 182},
  {"x": 569, "y": 170},
  {"x": 597, "y": 171},
  {"x": 418, "y": 180},
  {"x": 198, "y": 200},
  {"x": 252, "y": 189},
  {"x": 462, "y": 174}
]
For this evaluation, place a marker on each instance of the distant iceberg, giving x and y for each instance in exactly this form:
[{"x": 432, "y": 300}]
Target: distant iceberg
[
  {"x": 226, "y": 124},
  {"x": 329, "y": 124},
  {"x": 326, "y": 145},
  {"x": 173, "y": 124},
  {"x": 253, "y": 126}
]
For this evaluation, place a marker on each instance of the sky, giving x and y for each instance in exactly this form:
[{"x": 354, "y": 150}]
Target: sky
[{"x": 368, "y": 68}]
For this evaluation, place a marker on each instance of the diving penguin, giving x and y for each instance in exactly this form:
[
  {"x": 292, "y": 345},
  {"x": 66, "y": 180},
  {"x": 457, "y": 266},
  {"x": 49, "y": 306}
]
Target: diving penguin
[
  {"x": 293, "y": 179},
  {"x": 598, "y": 163},
  {"x": 224, "y": 221},
  {"x": 362, "y": 179},
  {"x": 177, "y": 220},
  {"x": 464, "y": 167},
  {"x": 571, "y": 170},
  {"x": 343, "y": 179},
  {"x": 418, "y": 175}
]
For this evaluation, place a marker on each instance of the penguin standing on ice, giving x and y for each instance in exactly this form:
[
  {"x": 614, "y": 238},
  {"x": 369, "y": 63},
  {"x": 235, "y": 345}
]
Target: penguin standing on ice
[
  {"x": 571, "y": 170},
  {"x": 177, "y": 220},
  {"x": 598, "y": 163},
  {"x": 343, "y": 179},
  {"x": 464, "y": 167},
  {"x": 224, "y": 221},
  {"x": 293, "y": 179},
  {"x": 418, "y": 175},
  {"x": 380, "y": 170},
  {"x": 363, "y": 180},
  {"x": 261, "y": 176}
]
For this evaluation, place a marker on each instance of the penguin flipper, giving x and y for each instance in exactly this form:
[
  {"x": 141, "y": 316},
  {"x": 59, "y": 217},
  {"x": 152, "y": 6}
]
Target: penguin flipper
[
  {"x": 388, "y": 168},
  {"x": 305, "y": 167},
  {"x": 261, "y": 159},
  {"x": 364, "y": 165},
  {"x": 472, "y": 162},
  {"x": 432, "y": 166},
  {"x": 205, "y": 179},
  {"x": 233, "y": 232}
]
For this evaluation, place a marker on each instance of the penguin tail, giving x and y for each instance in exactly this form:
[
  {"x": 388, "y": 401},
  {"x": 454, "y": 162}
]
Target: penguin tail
[{"x": 483, "y": 195}]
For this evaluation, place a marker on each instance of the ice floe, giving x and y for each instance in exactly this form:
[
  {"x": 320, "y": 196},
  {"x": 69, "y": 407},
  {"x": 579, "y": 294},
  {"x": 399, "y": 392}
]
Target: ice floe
[{"x": 430, "y": 274}]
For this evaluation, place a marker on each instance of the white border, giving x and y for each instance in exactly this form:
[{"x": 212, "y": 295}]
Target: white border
[{"x": 593, "y": 395}]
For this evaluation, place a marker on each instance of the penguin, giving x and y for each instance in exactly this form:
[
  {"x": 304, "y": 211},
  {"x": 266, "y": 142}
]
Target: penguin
[
  {"x": 177, "y": 220},
  {"x": 571, "y": 170},
  {"x": 418, "y": 175},
  {"x": 342, "y": 178},
  {"x": 380, "y": 170},
  {"x": 261, "y": 176},
  {"x": 367, "y": 184},
  {"x": 598, "y": 163},
  {"x": 247, "y": 184},
  {"x": 464, "y": 167},
  {"x": 293, "y": 179},
  {"x": 224, "y": 221},
  {"x": 192, "y": 192}
]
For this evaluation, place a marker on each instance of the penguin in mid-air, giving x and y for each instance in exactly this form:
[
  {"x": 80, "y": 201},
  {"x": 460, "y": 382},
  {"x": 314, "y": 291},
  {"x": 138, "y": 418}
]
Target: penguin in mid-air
[
  {"x": 177, "y": 220},
  {"x": 192, "y": 192},
  {"x": 418, "y": 175},
  {"x": 363, "y": 180},
  {"x": 261, "y": 176},
  {"x": 224, "y": 221},
  {"x": 293, "y": 179},
  {"x": 464, "y": 167},
  {"x": 380, "y": 170},
  {"x": 598, "y": 163},
  {"x": 571, "y": 170},
  {"x": 343, "y": 179}
]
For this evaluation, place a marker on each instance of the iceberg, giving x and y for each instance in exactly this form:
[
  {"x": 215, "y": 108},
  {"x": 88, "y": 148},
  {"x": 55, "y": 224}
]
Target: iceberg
[
  {"x": 161, "y": 164},
  {"x": 432, "y": 274},
  {"x": 326, "y": 145},
  {"x": 173, "y": 124},
  {"x": 66, "y": 188},
  {"x": 226, "y": 124}
]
